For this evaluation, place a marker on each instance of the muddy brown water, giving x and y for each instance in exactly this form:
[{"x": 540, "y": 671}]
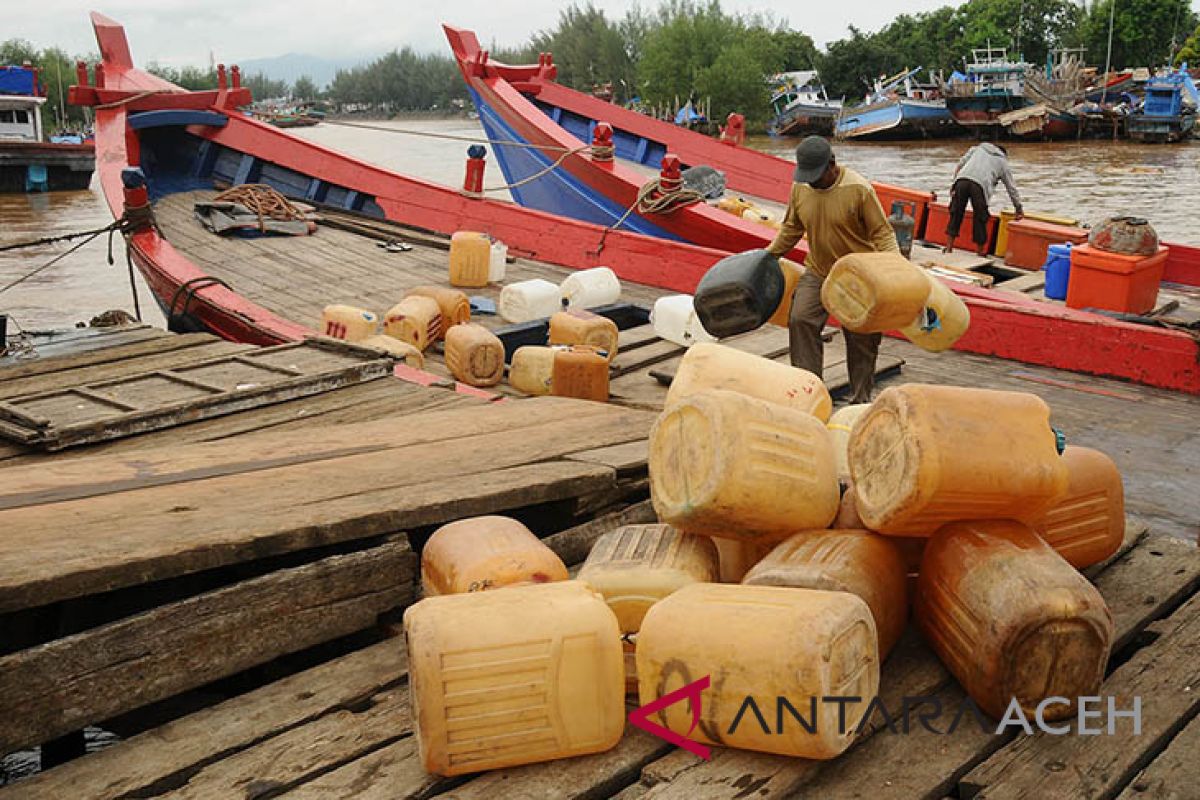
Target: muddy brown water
[{"x": 1086, "y": 180}]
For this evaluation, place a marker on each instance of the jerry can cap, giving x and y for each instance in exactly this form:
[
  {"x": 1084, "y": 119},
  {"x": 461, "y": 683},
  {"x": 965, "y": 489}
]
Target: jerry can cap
[{"x": 1060, "y": 440}]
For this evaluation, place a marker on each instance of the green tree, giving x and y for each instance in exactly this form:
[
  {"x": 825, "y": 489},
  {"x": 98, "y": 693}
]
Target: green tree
[
  {"x": 1142, "y": 31},
  {"x": 1190, "y": 52},
  {"x": 264, "y": 88},
  {"x": 56, "y": 73},
  {"x": 588, "y": 49},
  {"x": 305, "y": 89},
  {"x": 190, "y": 78}
]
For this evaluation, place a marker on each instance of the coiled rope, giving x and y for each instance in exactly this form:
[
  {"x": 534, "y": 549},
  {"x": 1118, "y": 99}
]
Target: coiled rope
[{"x": 262, "y": 200}]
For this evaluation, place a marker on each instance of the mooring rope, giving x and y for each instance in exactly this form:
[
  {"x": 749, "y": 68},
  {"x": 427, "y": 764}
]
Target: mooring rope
[{"x": 654, "y": 198}]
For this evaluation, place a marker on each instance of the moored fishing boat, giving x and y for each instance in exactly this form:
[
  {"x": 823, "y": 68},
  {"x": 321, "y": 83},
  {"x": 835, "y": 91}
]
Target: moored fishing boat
[
  {"x": 519, "y": 105},
  {"x": 1168, "y": 112},
  {"x": 898, "y": 108},
  {"x": 29, "y": 160},
  {"x": 993, "y": 85},
  {"x": 801, "y": 105}
]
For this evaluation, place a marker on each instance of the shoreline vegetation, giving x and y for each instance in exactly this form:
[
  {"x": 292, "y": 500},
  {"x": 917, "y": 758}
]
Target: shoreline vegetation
[{"x": 695, "y": 49}]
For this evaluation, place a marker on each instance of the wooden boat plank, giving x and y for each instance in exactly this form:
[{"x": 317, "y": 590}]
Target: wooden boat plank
[
  {"x": 102, "y": 672},
  {"x": 1174, "y": 768},
  {"x": 624, "y": 458},
  {"x": 297, "y": 507},
  {"x": 1100, "y": 766},
  {"x": 177, "y": 748}
]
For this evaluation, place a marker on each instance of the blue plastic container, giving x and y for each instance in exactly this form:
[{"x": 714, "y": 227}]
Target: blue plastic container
[{"x": 1058, "y": 271}]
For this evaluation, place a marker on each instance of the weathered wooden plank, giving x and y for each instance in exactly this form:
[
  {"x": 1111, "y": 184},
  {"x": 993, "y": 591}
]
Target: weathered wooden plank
[
  {"x": 189, "y": 348},
  {"x": 156, "y": 533},
  {"x": 625, "y": 458},
  {"x": 300, "y": 754},
  {"x": 392, "y": 772},
  {"x": 574, "y": 544},
  {"x": 1147, "y": 582},
  {"x": 99, "y": 673},
  {"x": 105, "y": 348},
  {"x": 1163, "y": 675},
  {"x": 1174, "y": 774},
  {"x": 166, "y": 755},
  {"x": 594, "y": 777}
]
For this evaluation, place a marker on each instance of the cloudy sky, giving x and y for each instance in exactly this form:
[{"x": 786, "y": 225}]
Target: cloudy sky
[{"x": 178, "y": 32}]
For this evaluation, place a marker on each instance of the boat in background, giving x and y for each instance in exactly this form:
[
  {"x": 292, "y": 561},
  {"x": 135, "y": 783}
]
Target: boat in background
[
  {"x": 1168, "y": 112},
  {"x": 993, "y": 85},
  {"x": 29, "y": 160},
  {"x": 801, "y": 105},
  {"x": 899, "y": 108}
]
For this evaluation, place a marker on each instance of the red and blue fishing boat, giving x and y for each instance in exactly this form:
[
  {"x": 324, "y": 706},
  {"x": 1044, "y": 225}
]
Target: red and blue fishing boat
[{"x": 540, "y": 129}]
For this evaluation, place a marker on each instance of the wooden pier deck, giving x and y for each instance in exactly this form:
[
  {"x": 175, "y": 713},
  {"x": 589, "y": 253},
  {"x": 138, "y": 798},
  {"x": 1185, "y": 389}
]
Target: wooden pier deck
[{"x": 223, "y": 595}]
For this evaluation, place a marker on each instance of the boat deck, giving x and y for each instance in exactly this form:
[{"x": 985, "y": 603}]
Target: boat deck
[
  {"x": 269, "y": 527},
  {"x": 296, "y": 277}
]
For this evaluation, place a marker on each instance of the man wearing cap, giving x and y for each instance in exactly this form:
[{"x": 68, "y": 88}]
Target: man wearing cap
[{"x": 839, "y": 212}]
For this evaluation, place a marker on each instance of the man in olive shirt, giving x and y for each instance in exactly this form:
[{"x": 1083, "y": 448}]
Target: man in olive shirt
[{"x": 838, "y": 210}]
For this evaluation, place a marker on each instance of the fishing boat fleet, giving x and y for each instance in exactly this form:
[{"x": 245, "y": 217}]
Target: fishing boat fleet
[{"x": 997, "y": 97}]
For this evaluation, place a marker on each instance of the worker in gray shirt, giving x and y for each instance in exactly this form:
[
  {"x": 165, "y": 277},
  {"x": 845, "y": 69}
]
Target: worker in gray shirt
[{"x": 977, "y": 173}]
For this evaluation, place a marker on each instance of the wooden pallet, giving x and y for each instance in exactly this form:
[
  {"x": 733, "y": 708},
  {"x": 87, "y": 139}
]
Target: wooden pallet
[
  {"x": 117, "y": 407},
  {"x": 343, "y": 730}
]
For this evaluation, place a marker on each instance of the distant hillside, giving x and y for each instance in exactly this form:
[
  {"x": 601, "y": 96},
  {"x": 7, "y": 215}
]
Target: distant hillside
[{"x": 291, "y": 66}]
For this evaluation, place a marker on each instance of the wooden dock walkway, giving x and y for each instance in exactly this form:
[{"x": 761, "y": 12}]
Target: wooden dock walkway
[{"x": 224, "y": 595}]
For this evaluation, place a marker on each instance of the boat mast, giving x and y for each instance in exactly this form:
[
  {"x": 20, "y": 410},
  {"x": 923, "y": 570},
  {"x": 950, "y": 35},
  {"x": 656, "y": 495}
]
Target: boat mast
[{"x": 1112, "y": 11}]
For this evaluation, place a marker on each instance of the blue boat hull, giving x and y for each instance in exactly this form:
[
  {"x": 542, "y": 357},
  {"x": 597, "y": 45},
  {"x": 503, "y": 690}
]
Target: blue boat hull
[
  {"x": 553, "y": 190},
  {"x": 897, "y": 119}
]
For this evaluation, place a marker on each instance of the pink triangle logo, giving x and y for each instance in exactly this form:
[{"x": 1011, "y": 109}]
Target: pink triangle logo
[{"x": 640, "y": 717}]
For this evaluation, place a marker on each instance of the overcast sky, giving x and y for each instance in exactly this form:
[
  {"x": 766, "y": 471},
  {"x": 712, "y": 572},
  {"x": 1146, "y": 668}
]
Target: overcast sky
[{"x": 178, "y": 32}]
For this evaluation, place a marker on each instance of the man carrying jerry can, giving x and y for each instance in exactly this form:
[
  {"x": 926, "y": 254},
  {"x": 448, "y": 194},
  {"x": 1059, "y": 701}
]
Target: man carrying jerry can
[
  {"x": 977, "y": 173},
  {"x": 839, "y": 212}
]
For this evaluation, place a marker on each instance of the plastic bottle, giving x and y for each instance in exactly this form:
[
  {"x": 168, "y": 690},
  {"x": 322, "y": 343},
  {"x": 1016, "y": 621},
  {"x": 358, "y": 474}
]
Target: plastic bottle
[
  {"x": 348, "y": 323},
  {"x": 942, "y": 322},
  {"x": 739, "y": 293},
  {"x": 1011, "y": 619},
  {"x": 841, "y": 422},
  {"x": 584, "y": 327},
  {"x": 589, "y": 288},
  {"x": 873, "y": 292},
  {"x": 926, "y": 455},
  {"x": 860, "y": 562},
  {"x": 674, "y": 319},
  {"x": 519, "y": 676},
  {"x": 1087, "y": 524},
  {"x": 532, "y": 370},
  {"x": 708, "y": 365},
  {"x": 734, "y": 205},
  {"x": 764, "y": 643},
  {"x": 497, "y": 261},
  {"x": 416, "y": 320},
  {"x": 580, "y": 372},
  {"x": 525, "y": 301},
  {"x": 470, "y": 259},
  {"x": 725, "y": 464},
  {"x": 401, "y": 350},
  {"x": 455, "y": 306},
  {"x": 636, "y": 566},
  {"x": 479, "y": 553},
  {"x": 474, "y": 355}
]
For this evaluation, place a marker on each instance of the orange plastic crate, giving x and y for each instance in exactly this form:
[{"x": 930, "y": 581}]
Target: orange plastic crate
[
  {"x": 1113, "y": 281},
  {"x": 939, "y": 218},
  {"x": 1029, "y": 241}
]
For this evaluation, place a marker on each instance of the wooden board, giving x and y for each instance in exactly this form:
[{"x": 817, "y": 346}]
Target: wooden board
[
  {"x": 100, "y": 673},
  {"x": 133, "y": 404},
  {"x": 136, "y": 534}
]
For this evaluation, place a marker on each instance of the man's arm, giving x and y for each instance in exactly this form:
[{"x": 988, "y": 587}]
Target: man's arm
[
  {"x": 878, "y": 229},
  {"x": 790, "y": 231},
  {"x": 1011, "y": 185}
]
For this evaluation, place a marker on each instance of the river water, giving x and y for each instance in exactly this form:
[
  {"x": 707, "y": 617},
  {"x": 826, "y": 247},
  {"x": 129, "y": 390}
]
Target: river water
[{"x": 1084, "y": 180}]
